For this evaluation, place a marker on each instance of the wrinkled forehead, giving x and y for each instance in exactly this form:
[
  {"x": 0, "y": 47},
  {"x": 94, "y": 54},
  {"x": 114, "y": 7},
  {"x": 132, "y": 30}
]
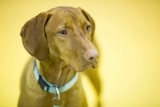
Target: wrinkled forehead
[
  {"x": 66, "y": 16},
  {"x": 68, "y": 12}
]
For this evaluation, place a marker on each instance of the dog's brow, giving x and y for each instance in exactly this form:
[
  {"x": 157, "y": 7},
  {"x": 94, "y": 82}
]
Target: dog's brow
[{"x": 71, "y": 13}]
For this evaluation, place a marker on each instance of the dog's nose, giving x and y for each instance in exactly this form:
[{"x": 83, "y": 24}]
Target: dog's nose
[{"x": 91, "y": 55}]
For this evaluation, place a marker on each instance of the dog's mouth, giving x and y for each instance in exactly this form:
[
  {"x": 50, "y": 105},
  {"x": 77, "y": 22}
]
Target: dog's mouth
[
  {"x": 94, "y": 64},
  {"x": 84, "y": 66},
  {"x": 81, "y": 64},
  {"x": 87, "y": 66}
]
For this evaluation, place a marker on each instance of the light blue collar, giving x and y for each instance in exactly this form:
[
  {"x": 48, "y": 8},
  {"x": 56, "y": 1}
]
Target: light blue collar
[{"x": 53, "y": 88}]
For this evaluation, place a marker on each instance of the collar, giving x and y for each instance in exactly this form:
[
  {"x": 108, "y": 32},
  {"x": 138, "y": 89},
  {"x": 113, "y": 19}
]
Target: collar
[{"x": 53, "y": 88}]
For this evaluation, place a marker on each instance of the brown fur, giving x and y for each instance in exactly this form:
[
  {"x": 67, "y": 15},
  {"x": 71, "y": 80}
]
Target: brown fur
[{"x": 61, "y": 42}]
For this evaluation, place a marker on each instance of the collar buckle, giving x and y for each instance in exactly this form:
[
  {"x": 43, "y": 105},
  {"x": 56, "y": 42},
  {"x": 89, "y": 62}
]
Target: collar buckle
[{"x": 43, "y": 85}]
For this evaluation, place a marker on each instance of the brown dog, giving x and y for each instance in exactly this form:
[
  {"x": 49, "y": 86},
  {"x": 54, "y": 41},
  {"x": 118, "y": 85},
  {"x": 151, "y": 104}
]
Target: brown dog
[{"x": 61, "y": 42}]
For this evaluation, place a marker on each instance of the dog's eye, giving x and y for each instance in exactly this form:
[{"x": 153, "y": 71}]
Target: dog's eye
[
  {"x": 63, "y": 32},
  {"x": 88, "y": 28}
]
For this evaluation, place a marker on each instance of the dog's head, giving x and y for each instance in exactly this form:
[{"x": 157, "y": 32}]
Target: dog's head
[{"x": 64, "y": 33}]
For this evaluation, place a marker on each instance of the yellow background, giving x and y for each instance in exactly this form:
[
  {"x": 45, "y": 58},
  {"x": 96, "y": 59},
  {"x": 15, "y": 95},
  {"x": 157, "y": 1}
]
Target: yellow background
[{"x": 128, "y": 34}]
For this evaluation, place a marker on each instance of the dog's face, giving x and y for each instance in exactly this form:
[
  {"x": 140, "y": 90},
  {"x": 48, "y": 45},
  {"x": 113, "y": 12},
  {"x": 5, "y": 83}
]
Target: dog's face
[{"x": 65, "y": 33}]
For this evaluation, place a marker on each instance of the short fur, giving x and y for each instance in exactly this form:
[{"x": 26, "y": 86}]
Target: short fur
[{"x": 61, "y": 42}]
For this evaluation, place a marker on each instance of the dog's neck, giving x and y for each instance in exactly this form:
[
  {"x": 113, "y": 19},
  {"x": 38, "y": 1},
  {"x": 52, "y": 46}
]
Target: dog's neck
[{"x": 55, "y": 72}]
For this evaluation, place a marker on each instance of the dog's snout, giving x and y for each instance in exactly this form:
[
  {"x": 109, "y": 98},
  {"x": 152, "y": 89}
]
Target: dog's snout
[{"x": 91, "y": 55}]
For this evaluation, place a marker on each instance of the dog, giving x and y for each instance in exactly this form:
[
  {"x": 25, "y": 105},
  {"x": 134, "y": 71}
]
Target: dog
[{"x": 61, "y": 43}]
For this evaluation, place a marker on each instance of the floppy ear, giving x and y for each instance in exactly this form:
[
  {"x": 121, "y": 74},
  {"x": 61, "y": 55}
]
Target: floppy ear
[
  {"x": 90, "y": 19},
  {"x": 34, "y": 38}
]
